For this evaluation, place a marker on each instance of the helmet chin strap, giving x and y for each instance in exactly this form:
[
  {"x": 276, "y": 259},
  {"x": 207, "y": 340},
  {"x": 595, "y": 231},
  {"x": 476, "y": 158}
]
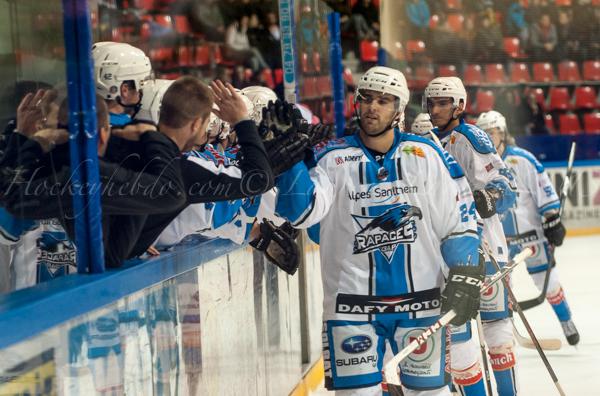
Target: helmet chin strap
[
  {"x": 452, "y": 118},
  {"x": 134, "y": 107}
]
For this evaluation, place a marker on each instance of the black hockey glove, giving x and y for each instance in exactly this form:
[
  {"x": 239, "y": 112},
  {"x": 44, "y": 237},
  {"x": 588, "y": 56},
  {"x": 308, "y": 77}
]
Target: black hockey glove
[
  {"x": 278, "y": 118},
  {"x": 462, "y": 292},
  {"x": 485, "y": 202},
  {"x": 554, "y": 230},
  {"x": 278, "y": 244},
  {"x": 319, "y": 133},
  {"x": 285, "y": 151}
]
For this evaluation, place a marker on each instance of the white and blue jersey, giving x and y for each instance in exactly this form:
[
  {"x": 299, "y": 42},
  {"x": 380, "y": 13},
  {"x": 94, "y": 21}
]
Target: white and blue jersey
[
  {"x": 536, "y": 197},
  {"x": 385, "y": 230}
]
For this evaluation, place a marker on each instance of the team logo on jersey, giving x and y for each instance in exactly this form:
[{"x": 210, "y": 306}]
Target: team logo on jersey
[
  {"x": 424, "y": 351},
  {"x": 385, "y": 232},
  {"x": 357, "y": 344}
]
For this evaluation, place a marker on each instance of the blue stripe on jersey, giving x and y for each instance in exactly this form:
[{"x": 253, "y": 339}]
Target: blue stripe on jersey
[
  {"x": 477, "y": 137},
  {"x": 519, "y": 152},
  {"x": 224, "y": 212},
  {"x": 549, "y": 206},
  {"x": 314, "y": 233},
  {"x": 295, "y": 197},
  {"x": 119, "y": 119},
  {"x": 460, "y": 249},
  {"x": 509, "y": 223},
  {"x": 449, "y": 161}
]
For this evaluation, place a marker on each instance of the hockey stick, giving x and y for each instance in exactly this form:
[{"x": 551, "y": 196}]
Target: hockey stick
[
  {"x": 514, "y": 301},
  {"x": 486, "y": 367},
  {"x": 390, "y": 370},
  {"x": 534, "y": 302},
  {"x": 547, "y": 344}
]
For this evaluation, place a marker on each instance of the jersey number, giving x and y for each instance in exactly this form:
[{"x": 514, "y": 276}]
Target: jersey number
[{"x": 464, "y": 213}]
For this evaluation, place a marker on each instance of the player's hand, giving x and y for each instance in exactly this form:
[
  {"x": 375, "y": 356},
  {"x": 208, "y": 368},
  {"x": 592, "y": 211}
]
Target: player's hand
[
  {"x": 554, "y": 230},
  {"x": 29, "y": 113},
  {"x": 133, "y": 131},
  {"x": 152, "y": 251},
  {"x": 232, "y": 108}
]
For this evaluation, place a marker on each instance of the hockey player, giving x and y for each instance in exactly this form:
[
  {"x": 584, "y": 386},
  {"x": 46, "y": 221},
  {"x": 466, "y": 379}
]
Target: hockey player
[
  {"x": 389, "y": 214},
  {"x": 120, "y": 71},
  {"x": 534, "y": 220},
  {"x": 422, "y": 125},
  {"x": 493, "y": 189}
]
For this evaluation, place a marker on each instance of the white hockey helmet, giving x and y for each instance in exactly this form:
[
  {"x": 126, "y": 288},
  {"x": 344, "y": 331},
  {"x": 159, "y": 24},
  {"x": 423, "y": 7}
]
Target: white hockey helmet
[
  {"x": 385, "y": 80},
  {"x": 152, "y": 100},
  {"x": 445, "y": 87},
  {"x": 490, "y": 120},
  {"x": 260, "y": 97},
  {"x": 115, "y": 63},
  {"x": 421, "y": 125}
]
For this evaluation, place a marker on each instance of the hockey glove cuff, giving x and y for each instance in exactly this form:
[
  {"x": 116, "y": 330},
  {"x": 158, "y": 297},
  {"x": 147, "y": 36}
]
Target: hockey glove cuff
[
  {"x": 554, "y": 230},
  {"x": 462, "y": 292},
  {"x": 278, "y": 244}
]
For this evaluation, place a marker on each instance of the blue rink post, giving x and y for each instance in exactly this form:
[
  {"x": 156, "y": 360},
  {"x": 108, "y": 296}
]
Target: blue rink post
[{"x": 337, "y": 69}]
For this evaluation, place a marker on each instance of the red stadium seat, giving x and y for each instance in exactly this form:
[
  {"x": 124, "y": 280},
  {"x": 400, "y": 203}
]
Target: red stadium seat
[
  {"x": 316, "y": 60},
  {"x": 568, "y": 124},
  {"x": 164, "y": 20},
  {"x": 447, "y": 71},
  {"x": 144, "y": 4},
  {"x": 591, "y": 70},
  {"x": 559, "y": 98},
  {"x": 423, "y": 74},
  {"x": 453, "y": 4},
  {"x": 568, "y": 71},
  {"x": 591, "y": 122},
  {"x": 512, "y": 47},
  {"x": 202, "y": 56},
  {"x": 304, "y": 64},
  {"x": 398, "y": 52},
  {"x": 347, "y": 76},
  {"x": 278, "y": 76},
  {"x": 161, "y": 54},
  {"x": 184, "y": 56},
  {"x": 542, "y": 72},
  {"x": 368, "y": 50},
  {"x": 310, "y": 88},
  {"x": 494, "y": 73},
  {"x": 433, "y": 21},
  {"x": 456, "y": 22},
  {"x": 267, "y": 76},
  {"x": 414, "y": 47},
  {"x": 484, "y": 100},
  {"x": 473, "y": 75},
  {"x": 519, "y": 73},
  {"x": 585, "y": 98},
  {"x": 182, "y": 24},
  {"x": 349, "y": 105},
  {"x": 540, "y": 98},
  {"x": 549, "y": 121},
  {"x": 563, "y": 3}
]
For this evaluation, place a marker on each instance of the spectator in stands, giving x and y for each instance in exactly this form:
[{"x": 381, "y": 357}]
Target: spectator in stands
[
  {"x": 206, "y": 18},
  {"x": 515, "y": 23},
  {"x": 418, "y": 14},
  {"x": 238, "y": 48},
  {"x": 568, "y": 44},
  {"x": 487, "y": 44},
  {"x": 532, "y": 115},
  {"x": 446, "y": 46},
  {"x": 365, "y": 20},
  {"x": 544, "y": 40},
  {"x": 267, "y": 38}
]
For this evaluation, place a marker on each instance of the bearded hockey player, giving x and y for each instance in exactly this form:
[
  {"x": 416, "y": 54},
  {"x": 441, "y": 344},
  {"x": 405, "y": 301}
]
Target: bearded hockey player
[
  {"x": 493, "y": 189},
  {"x": 534, "y": 220},
  {"x": 390, "y": 216}
]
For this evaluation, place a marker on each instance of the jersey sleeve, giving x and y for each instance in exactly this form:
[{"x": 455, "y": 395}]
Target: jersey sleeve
[
  {"x": 485, "y": 169},
  {"x": 304, "y": 197},
  {"x": 545, "y": 194},
  {"x": 453, "y": 215}
]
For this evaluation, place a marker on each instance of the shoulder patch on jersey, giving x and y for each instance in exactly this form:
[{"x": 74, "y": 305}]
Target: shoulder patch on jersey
[
  {"x": 414, "y": 150},
  {"x": 333, "y": 144},
  {"x": 477, "y": 137},
  {"x": 519, "y": 152},
  {"x": 451, "y": 164}
]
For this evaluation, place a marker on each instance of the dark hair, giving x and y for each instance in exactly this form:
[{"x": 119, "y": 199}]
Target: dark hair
[{"x": 186, "y": 99}]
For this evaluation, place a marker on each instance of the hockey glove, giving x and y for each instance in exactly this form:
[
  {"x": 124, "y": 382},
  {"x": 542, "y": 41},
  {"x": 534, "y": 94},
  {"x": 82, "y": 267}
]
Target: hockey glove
[
  {"x": 319, "y": 133},
  {"x": 485, "y": 202},
  {"x": 554, "y": 230},
  {"x": 286, "y": 151},
  {"x": 462, "y": 292},
  {"x": 279, "y": 117},
  {"x": 278, "y": 244}
]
